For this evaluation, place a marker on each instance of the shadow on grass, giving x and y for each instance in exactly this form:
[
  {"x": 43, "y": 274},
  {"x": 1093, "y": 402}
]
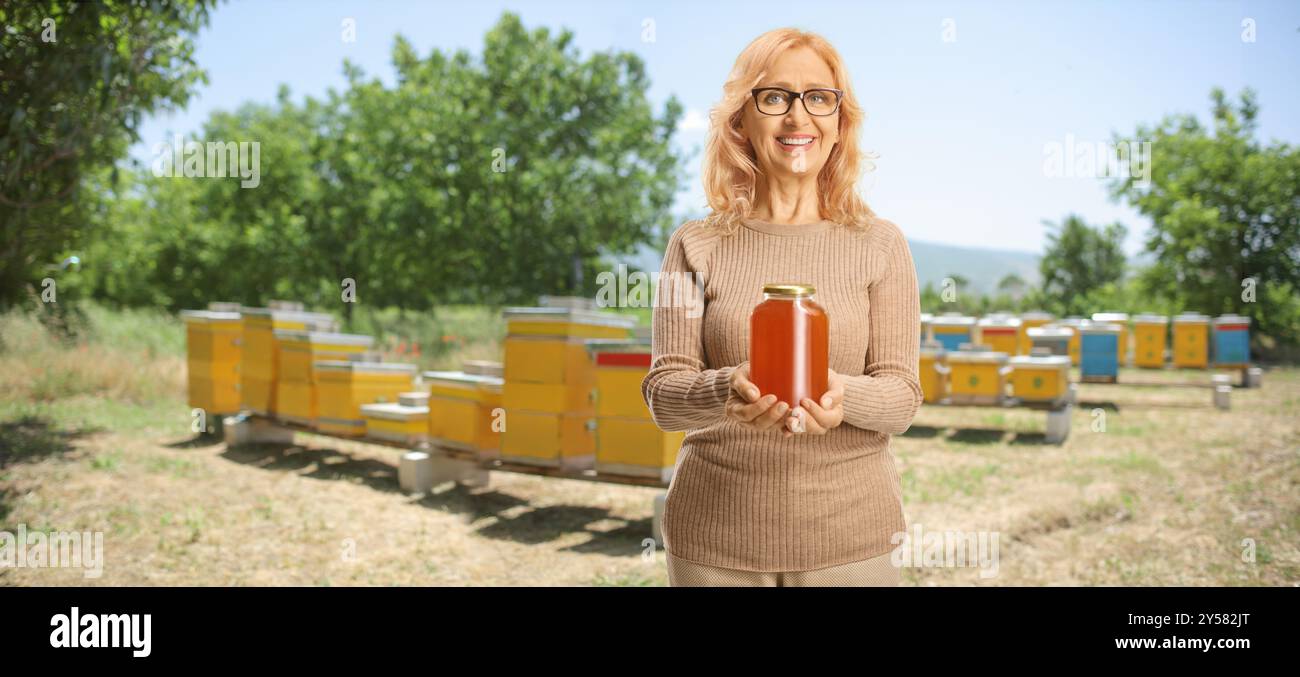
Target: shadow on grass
[
  {"x": 610, "y": 534},
  {"x": 32, "y": 438},
  {"x": 978, "y": 435},
  {"x": 27, "y": 440},
  {"x": 196, "y": 442},
  {"x": 323, "y": 464}
]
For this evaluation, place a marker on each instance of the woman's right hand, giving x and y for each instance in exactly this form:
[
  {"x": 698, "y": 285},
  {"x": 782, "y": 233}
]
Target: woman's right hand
[{"x": 746, "y": 407}]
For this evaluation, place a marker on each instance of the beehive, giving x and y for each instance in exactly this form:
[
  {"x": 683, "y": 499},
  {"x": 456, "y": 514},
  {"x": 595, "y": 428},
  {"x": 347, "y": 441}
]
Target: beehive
[
  {"x": 933, "y": 371},
  {"x": 977, "y": 376},
  {"x": 1055, "y": 339},
  {"x": 1191, "y": 341},
  {"x": 1044, "y": 379},
  {"x": 1124, "y": 343},
  {"x": 635, "y": 447},
  {"x": 213, "y": 350},
  {"x": 952, "y": 330},
  {"x": 619, "y": 373},
  {"x": 344, "y": 387},
  {"x": 1231, "y": 341},
  {"x": 397, "y": 422},
  {"x": 1076, "y": 339},
  {"x": 1150, "y": 333},
  {"x": 301, "y": 350},
  {"x": 1099, "y": 361},
  {"x": 297, "y": 396},
  {"x": 1000, "y": 333},
  {"x": 1029, "y": 320},
  {"x": 548, "y": 439},
  {"x": 550, "y": 382},
  {"x": 627, "y": 440},
  {"x": 259, "y": 369},
  {"x": 465, "y": 411},
  {"x": 566, "y": 322}
]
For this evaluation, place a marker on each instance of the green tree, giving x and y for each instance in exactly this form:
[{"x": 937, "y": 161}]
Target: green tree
[
  {"x": 1224, "y": 208},
  {"x": 1078, "y": 260},
  {"x": 76, "y": 79},
  {"x": 490, "y": 180}
]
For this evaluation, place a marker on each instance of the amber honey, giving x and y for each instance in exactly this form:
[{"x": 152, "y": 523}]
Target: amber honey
[{"x": 788, "y": 335}]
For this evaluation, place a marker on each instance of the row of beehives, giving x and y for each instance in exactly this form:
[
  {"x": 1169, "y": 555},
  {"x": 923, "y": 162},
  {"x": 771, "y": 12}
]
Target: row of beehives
[
  {"x": 568, "y": 394},
  {"x": 1101, "y": 345}
]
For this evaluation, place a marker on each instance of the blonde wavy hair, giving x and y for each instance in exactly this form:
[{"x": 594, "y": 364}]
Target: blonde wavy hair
[{"x": 730, "y": 169}]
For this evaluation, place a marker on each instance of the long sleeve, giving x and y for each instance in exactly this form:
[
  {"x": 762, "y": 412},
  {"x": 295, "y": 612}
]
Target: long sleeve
[
  {"x": 680, "y": 393},
  {"x": 886, "y": 396}
]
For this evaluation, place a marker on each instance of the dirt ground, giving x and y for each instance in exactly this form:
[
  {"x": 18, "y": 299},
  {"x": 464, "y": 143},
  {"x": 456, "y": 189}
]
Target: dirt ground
[{"x": 1154, "y": 487}]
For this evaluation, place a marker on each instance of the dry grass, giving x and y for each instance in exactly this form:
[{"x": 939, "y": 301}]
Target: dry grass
[{"x": 1164, "y": 496}]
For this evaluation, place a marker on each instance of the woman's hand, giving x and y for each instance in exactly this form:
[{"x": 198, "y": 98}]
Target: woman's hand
[
  {"x": 745, "y": 406},
  {"x": 818, "y": 418}
]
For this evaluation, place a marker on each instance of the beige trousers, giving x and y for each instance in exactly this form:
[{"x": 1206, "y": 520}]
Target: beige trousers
[{"x": 873, "y": 572}]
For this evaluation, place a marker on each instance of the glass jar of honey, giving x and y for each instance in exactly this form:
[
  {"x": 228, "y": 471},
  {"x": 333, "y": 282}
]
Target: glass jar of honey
[{"x": 788, "y": 335}]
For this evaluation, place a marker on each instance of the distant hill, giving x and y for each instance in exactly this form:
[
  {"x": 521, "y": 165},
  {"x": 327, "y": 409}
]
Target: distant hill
[{"x": 983, "y": 268}]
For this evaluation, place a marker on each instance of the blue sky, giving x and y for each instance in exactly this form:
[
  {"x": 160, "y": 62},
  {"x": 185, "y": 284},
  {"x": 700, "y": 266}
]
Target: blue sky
[{"x": 961, "y": 126}]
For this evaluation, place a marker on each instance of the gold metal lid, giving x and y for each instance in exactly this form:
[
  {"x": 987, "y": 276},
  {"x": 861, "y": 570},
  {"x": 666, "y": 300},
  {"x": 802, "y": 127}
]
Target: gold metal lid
[{"x": 788, "y": 289}]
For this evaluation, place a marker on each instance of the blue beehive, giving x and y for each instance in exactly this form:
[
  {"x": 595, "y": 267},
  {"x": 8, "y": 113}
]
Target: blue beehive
[
  {"x": 1099, "y": 352},
  {"x": 1231, "y": 341},
  {"x": 952, "y": 330}
]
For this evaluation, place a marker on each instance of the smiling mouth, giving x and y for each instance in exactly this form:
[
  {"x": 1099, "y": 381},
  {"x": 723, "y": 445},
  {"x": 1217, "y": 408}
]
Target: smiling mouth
[{"x": 795, "y": 142}]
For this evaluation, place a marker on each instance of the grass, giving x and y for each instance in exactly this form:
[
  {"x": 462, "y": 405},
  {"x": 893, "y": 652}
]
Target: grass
[{"x": 1165, "y": 495}]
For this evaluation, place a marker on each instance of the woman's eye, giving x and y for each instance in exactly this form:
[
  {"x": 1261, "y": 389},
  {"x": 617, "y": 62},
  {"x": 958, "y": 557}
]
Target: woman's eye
[
  {"x": 819, "y": 98},
  {"x": 775, "y": 97}
]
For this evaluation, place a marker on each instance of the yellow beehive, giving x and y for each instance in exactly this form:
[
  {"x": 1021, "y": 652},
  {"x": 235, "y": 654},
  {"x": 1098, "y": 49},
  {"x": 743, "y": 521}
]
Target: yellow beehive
[
  {"x": 343, "y": 387},
  {"x": 1150, "y": 334},
  {"x": 1076, "y": 324},
  {"x": 465, "y": 411},
  {"x": 261, "y": 356},
  {"x": 933, "y": 371},
  {"x": 1000, "y": 333},
  {"x": 397, "y": 422},
  {"x": 977, "y": 377},
  {"x": 1122, "y": 320},
  {"x": 546, "y": 439},
  {"x": 213, "y": 349},
  {"x": 635, "y": 447},
  {"x": 546, "y": 359},
  {"x": 619, "y": 373},
  {"x": 1191, "y": 341},
  {"x": 295, "y": 402},
  {"x": 1031, "y": 319},
  {"x": 301, "y": 350},
  {"x": 1044, "y": 379},
  {"x": 566, "y": 322}
]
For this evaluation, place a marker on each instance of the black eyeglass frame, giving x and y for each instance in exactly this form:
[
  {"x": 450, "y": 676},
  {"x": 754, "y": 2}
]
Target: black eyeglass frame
[{"x": 839, "y": 98}]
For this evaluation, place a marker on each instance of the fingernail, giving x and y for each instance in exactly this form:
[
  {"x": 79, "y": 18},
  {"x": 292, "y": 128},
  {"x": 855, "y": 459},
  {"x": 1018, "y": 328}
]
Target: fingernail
[
  {"x": 826, "y": 402},
  {"x": 753, "y": 393},
  {"x": 780, "y": 408}
]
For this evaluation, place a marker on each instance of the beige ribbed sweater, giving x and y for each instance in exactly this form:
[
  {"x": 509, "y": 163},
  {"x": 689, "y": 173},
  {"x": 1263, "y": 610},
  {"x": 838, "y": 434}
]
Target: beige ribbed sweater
[{"x": 753, "y": 500}]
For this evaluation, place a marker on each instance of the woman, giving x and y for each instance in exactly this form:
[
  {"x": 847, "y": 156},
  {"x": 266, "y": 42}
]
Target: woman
[{"x": 768, "y": 492}]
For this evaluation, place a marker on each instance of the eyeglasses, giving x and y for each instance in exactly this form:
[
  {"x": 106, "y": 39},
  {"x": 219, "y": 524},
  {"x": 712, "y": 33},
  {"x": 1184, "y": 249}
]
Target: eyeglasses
[{"x": 777, "y": 101}]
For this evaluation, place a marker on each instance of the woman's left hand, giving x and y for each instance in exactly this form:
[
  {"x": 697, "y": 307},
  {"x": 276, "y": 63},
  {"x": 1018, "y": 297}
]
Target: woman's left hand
[{"x": 818, "y": 418}]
